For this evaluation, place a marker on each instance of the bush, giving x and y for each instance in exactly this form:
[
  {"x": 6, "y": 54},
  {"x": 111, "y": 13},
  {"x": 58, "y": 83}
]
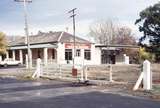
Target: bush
[{"x": 144, "y": 55}]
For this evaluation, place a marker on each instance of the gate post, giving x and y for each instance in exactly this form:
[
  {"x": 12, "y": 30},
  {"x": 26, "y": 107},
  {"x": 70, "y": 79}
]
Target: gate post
[
  {"x": 147, "y": 79},
  {"x": 146, "y": 76},
  {"x": 60, "y": 71},
  {"x": 27, "y": 61},
  {"x": 38, "y": 72},
  {"x": 110, "y": 73}
]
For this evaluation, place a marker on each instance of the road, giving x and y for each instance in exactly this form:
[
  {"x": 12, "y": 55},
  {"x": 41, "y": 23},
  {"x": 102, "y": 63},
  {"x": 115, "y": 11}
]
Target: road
[{"x": 56, "y": 94}]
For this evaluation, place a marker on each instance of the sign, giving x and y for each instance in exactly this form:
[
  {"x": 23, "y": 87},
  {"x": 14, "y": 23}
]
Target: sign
[{"x": 77, "y": 46}]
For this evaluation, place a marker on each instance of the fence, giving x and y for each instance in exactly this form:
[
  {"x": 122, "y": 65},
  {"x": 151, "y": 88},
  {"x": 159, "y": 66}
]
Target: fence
[{"x": 118, "y": 73}]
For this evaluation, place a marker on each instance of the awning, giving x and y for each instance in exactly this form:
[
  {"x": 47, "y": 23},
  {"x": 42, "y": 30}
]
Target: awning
[
  {"x": 117, "y": 46},
  {"x": 34, "y": 46}
]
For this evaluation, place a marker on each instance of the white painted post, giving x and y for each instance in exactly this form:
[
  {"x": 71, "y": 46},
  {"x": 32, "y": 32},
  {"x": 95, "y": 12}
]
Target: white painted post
[
  {"x": 21, "y": 56},
  {"x": 84, "y": 70},
  {"x": 146, "y": 75},
  {"x": 86, "y": 75},
  {"x": 27, "y": 61},
  {"x": 30, "y": 51},
  {"x": 60, "y": 71},
  {"x": 13, "y": 55},
  {"x": 82, "y": 76},
  {"x": 38, "y": 71},
  {"x": 0, "y": 58},
  {"x": 110, "y": 73},
  {"x": 45, "y": 56},
  {"x": 38, "y": 67},
  {"x": 127, "y": 60},
  {"x": 147, "y": 79}
]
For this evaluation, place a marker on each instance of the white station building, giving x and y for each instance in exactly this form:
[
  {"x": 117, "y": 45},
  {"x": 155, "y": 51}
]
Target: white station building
[
  {"x": 53, "y": 47},
  {"x": 58, "y": 47}
]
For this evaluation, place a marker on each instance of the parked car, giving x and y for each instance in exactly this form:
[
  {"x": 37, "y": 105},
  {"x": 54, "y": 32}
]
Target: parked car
[{"x": 10, "y": 62}]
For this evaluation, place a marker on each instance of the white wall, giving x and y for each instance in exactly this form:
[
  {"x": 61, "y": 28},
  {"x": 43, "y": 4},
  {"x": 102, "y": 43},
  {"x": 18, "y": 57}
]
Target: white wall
[
  {"x": 61, "y": 54},
  {"x": 95, "y": 55}
]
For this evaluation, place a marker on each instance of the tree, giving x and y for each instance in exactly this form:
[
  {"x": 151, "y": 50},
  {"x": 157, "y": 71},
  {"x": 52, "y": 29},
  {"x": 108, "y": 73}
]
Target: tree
[
  {"x": 3, "y": 43},
  {"x": 149, "y": 25},
  {"x": 145, "y": 55},
  {"x": 124, "y": 36},
  {"x": 108, "y": 32},
  {"x": 103, "y": 31}
]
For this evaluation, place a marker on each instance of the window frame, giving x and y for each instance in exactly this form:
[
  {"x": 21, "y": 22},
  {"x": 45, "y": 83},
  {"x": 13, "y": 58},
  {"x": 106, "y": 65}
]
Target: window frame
[
  {"x": 69, "y": 56},
  {"x": 78, "y": 52},
  {"x": 87, "y": 54}
]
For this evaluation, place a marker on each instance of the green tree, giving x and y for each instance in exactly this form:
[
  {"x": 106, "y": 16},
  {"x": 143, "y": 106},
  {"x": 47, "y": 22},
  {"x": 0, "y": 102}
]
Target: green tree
[
  {"x": 149, "y": 25},
  {"x": 3, "y": 43}
]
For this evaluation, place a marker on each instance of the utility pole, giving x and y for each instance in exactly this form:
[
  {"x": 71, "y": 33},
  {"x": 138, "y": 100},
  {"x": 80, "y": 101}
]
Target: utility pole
[
  {"x": 74, "y": 34},
  {"x": 26, "y": 30}
]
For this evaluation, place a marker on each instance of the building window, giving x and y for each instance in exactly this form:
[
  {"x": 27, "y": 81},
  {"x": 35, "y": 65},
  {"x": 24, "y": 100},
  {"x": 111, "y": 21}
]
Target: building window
[
  {"x": 87, "y": 54},
  {"x": 78, "y": 52},
  {"x": 68, "y": 54}
]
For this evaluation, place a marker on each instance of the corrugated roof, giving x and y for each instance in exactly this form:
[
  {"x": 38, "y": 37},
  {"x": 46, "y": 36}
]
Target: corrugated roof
[
  {"x": 47, "y": 38},
  {"x": 66, "y": 37}
]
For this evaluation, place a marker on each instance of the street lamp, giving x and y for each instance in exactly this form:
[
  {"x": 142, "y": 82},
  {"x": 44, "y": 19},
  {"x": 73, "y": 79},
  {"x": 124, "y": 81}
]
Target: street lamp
[{"x": 26, "y": 30}]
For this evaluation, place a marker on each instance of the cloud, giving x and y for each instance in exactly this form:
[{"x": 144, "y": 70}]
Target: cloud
[{"x": 49, "y": 15}]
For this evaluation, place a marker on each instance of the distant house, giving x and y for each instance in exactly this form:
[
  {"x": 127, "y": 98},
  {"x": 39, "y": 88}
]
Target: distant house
[{"x": 55, "y": 47}]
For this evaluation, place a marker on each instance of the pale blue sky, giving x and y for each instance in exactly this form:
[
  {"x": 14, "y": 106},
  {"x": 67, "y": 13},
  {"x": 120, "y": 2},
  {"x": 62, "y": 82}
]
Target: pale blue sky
[{"x": 46, "y": 15}]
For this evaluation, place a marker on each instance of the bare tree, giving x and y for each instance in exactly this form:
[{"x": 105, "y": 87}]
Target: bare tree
[
  {"x": 108, "y": 32},
  {"x": 103, "y": 31},
  {"x": 124, "y": 36}
]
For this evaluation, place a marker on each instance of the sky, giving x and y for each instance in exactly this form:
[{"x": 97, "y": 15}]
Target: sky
[{"x": 52, "y": 15}]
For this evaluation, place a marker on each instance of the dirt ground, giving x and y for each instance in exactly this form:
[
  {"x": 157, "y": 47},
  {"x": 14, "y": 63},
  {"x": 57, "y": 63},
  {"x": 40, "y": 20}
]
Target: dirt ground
[{"x": 128, "y": 75}]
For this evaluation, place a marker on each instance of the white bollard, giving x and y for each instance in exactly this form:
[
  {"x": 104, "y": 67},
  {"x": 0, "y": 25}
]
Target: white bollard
[
  {"x": 38, "y": 71},
  {"x": 110, "y": 73},
  {"x": 82, "y": 75},
  {"x": 38, "y": 67},
  {"x": 86, "y": 75},
  {"x": 147, "y": 78},
  {"x": 26, "y": 61},
  {"x": 60, "y": 71}
]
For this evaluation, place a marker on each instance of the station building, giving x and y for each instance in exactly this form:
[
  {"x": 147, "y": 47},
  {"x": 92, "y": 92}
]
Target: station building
[
  {"x": 53, "y": 47},
  {"x": 58, "y": 47}
]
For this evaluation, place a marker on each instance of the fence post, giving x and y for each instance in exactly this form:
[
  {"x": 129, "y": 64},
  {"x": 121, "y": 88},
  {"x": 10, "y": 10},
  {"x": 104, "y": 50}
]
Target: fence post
[
  {"x": 37, "y": 73},
  {"x": 86, "y": 75},
  {"x": 60, "y": 71},
  {"x": 26, "y": 61},
  {"x": 110, "y": 73},
  {"x": 146, "y": 76},
  {"x": 147, "y": 79},
  {"x": 82, "y": 73}
]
